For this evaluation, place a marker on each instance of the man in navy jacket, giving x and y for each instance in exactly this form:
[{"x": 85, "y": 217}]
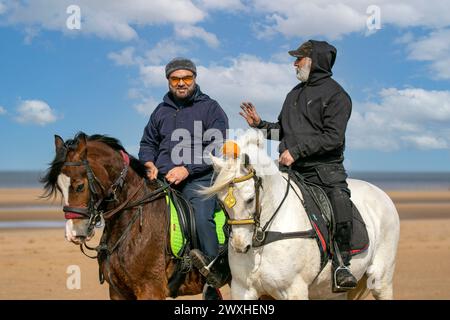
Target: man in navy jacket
[{"x": 181, "y": 132}]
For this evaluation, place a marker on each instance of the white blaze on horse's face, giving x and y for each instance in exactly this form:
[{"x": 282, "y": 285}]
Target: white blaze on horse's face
[
  {"x": 63, "y": 184},
  {"x": 76, "y": 229}
]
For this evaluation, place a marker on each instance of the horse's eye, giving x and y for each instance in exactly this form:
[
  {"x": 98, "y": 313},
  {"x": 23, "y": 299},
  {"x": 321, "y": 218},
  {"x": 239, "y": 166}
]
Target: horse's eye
[
  {"x": 249, "y": 201},
  {"x": 80, "y": 188}
]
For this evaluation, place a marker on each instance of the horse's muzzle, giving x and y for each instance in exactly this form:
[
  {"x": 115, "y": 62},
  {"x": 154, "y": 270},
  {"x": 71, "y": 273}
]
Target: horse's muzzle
[{"x": 245, "y": 250}]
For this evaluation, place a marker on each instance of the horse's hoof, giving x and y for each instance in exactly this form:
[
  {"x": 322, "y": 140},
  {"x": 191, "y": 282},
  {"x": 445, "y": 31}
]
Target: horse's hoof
[
  {"x": 211, "y": 293},
  {"x": 213, "y": 275}
]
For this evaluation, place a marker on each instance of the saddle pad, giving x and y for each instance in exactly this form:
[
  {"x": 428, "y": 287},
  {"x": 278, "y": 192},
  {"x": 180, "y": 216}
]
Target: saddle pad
[
  {"x": 318, "y": 208},
  {"x": 178, "y": 236}
]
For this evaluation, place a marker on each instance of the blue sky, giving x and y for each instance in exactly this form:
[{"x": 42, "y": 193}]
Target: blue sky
[{"x": 107, "y": 77}]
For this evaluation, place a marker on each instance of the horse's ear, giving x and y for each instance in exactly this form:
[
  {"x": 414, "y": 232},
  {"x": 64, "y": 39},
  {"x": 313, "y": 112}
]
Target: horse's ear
[
  {"x": 260, "y": 139},
  {"x": 246, "y": 159},
  {"x": 59, "y": 143},
  {"x": 218, "y": 163},
  {"x": 81, "y": 149}
]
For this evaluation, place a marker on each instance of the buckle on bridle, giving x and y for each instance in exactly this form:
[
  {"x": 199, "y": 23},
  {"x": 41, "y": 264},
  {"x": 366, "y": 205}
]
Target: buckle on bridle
[{"x": 259, "y": 235}]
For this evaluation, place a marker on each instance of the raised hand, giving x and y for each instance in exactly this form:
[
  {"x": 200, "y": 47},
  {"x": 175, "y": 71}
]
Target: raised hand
[{"x": 250, "y": 114}]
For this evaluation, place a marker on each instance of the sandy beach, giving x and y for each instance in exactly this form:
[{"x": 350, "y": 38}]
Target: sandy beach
[{"x": 34, "y": 263}]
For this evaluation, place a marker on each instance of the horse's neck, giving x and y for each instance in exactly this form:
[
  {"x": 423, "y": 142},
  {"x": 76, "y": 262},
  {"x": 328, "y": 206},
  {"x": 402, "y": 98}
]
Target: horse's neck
[{"x": 291, "y": 214}]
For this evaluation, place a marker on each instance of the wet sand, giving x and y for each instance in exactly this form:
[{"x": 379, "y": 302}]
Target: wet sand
[{"x": 34, "y": 263}]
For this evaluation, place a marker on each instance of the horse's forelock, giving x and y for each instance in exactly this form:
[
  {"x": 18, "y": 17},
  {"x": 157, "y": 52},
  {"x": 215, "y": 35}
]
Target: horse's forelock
[{"x": 223, "y": 179}]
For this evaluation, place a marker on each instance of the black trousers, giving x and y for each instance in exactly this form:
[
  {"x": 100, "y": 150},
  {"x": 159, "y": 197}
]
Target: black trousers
[{"x": 332, "y": 178}]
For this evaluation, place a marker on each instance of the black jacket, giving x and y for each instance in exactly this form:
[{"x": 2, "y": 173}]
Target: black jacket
[{"x": 314, "y": 116}]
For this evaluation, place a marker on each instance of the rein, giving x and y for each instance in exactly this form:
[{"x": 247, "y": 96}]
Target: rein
[{"x": 152, "y": 196}]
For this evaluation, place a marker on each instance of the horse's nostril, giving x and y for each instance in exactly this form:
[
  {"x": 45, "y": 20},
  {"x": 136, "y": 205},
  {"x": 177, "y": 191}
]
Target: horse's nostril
[
  {"x": 247, "y": 248},
  {"x": 79, "y": 239}
]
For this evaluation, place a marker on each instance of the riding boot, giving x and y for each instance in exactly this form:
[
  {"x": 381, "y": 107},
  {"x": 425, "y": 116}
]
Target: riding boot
[
  {"x": 343, "y": 279},
  {"x": 215, "y": 270}
]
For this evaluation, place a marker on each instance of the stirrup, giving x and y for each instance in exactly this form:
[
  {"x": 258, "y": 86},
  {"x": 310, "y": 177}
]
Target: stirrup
[{"x": 337, "y": 288}]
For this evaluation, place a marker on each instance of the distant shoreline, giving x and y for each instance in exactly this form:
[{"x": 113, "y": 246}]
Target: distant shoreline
[{"x": 388, "y": 181}]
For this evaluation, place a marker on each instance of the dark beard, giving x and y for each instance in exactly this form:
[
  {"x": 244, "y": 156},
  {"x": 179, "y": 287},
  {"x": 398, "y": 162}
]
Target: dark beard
[{"x": 184, "y": 101}]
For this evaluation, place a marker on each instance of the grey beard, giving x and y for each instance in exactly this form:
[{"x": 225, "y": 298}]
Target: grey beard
[{"x": 303, "y": 73}]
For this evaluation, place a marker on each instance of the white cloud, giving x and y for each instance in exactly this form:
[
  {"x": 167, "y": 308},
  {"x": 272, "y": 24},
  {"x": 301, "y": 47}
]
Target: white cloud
[
  {"x": 2, "y": 7},
  {"x": 188, "y": 31},
  {"x": 228, "y": 5},
  {"x": 433, "y": 48},
  {"x": 152, "y": 76},
  {"x": 147, "y": 106},
  {"x": 36, "y": 112},
  {"x": 403, "y": 118},
  {"x": 294, "y": 18},
  {"x": 125, "y": 57},
  {"x": 163, "y": 51},
  {"x": 2, "y": 110},
  {"x": 248, "y": 78},
  {"x": 331, "y": 19},
  {"x": 114, "y": 19}
]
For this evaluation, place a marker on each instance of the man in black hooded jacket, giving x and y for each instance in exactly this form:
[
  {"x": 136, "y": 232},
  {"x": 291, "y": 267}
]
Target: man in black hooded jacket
[{"x": 311, "y": 129}]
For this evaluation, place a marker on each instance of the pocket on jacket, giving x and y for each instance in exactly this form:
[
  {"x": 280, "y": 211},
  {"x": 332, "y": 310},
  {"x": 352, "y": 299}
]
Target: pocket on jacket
[{"x": 331, "y": 174}]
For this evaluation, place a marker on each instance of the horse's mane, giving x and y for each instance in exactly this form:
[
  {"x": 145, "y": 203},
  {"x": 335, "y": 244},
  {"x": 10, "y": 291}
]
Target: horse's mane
[{"x": 50, "y": 178}]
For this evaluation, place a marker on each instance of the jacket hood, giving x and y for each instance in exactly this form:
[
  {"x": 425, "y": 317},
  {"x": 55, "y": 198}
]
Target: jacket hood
[
  {"x": 197, "y": 96},
  {"x": 323, "y": 56}
]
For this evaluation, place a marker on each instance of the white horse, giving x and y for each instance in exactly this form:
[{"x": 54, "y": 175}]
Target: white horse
[{"x": 289, "y": 268}]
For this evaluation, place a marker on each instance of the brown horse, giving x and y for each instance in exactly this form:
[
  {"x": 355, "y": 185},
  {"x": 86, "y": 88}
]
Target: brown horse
[{"x": 101, "y": 182}]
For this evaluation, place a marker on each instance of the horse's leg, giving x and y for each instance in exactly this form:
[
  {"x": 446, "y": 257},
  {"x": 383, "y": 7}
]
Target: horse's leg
[
  {"x": 114, "y": 295},
  {"x": 239, "y": 292},
  {"x": 156, "y": 290},
  {"x": 382, "y": 285},
  {"x": 153, "y": 295},
  {"x": 297, "y": 291},
  {"x": 381, "y": 272}
]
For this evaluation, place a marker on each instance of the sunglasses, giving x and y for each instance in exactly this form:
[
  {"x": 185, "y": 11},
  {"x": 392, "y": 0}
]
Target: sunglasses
[{"x": 174, "y": 81}]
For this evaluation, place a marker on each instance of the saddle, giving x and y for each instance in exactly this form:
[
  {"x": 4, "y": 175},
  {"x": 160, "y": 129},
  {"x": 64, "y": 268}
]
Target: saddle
[
  {"x": 320, "y": 213},
  {"x": 183, "y": 235}
]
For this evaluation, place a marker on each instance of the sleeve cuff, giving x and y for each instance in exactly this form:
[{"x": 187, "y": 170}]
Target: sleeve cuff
[{"x": 261, "y": 124}]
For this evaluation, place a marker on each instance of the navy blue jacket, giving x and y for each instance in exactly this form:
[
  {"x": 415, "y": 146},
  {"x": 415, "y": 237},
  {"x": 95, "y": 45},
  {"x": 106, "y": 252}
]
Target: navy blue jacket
[{"x": 158, "y": 141}]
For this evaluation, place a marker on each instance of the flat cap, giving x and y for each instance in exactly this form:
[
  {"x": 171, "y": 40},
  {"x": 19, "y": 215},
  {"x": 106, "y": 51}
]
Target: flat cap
[{"x": 305, "y": 50}]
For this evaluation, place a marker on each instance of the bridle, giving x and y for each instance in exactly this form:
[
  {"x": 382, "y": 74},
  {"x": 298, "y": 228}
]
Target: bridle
[
  {"x": 92, "y": 211},
  {"x": 95, "y": 215},
  {"x": 229, "y": 201}
]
